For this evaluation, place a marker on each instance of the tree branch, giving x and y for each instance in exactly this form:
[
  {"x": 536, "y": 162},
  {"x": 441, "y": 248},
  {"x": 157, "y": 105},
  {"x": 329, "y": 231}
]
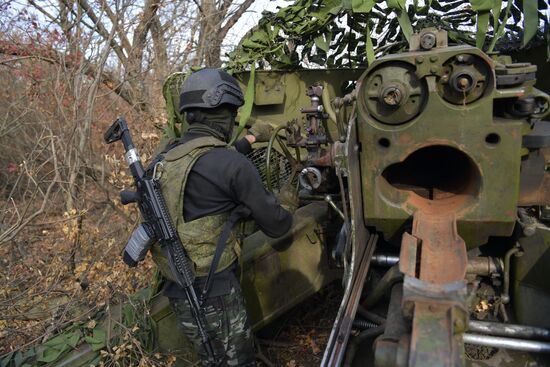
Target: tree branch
[
  {"x": 25, "y": 51},
  {"x": 235, "y": 17},
  {"x": 100, "y": 27}
]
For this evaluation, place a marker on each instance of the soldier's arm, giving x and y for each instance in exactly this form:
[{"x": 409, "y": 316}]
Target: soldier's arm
[{"x": 248, "y": 189}]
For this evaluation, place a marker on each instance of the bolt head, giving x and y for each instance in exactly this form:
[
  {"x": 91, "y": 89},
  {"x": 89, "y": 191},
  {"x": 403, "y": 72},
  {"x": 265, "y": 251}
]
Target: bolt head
[{"x": 428, "y": 41}]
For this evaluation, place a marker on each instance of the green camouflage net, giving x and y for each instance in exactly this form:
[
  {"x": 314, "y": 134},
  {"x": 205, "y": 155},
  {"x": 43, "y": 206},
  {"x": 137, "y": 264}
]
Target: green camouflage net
[
  {"x": 171, "y": 91},
  {"x": 349, "y": 33}
]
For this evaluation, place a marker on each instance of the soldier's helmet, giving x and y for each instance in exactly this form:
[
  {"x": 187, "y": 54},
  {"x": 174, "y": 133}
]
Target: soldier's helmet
[{"x": 210, "y": 88}]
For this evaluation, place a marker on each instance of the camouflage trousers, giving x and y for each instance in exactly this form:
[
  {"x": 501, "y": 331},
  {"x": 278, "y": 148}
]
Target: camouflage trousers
[{"x": 228, "y": 328}]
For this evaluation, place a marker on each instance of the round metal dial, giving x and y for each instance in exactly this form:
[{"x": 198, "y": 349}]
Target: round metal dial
[
  {"x": 393, "y": 94},
  {"x": 465, "y": 79}
]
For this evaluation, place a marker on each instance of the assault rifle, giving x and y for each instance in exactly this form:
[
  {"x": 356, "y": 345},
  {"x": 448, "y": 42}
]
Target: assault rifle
[{"x": 158, "y": 225}]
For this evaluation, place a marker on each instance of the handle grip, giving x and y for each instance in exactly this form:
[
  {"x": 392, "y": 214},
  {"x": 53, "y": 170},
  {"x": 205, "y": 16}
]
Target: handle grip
[{"x": 127, "y": 197}]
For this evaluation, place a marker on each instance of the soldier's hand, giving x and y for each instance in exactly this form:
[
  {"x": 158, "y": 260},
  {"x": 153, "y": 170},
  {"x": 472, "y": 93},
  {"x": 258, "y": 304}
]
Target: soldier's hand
[
  {"x": 288, "y": 197},
  {"x": 261, "y": 130}
]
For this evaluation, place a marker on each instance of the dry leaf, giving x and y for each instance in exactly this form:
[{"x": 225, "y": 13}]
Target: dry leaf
[{"x": 91, "y": 324}]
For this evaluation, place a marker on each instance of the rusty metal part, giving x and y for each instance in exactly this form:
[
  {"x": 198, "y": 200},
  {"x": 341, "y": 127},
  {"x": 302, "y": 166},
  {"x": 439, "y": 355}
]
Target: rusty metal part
[
  {"x": 507, "y": 343},
  {"x": 433, "y": 259},
  {"x": 434, "y": 252},
  {"x": 340, "y": 333},
  {"x": 325, "y": 160},
  {"x": 510, "y": 330}
]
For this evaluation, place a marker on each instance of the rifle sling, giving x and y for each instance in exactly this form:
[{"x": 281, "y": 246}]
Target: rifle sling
[{"x": 239, "y": 212}]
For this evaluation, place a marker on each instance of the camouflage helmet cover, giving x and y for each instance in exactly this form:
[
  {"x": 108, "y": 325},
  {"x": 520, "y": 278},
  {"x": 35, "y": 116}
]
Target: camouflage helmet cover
[{"x": 210, "y": 88}]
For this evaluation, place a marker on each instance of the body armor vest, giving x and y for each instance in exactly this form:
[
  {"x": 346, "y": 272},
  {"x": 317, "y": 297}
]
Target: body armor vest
[{"x": 200, "y": 236}]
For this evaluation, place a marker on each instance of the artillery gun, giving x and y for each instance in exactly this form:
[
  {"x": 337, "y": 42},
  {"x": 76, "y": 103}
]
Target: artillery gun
[
  {"x": 436, "y": 158},
  {"x": 432, "y": 167}
]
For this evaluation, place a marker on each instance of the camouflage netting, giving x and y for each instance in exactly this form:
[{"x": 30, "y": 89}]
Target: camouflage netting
[
  {"x": 350, "y": 33},
  {"x": 335, "y": 33}
]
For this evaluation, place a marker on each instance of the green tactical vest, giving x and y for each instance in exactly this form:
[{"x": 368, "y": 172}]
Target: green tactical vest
[{"x": 200, "y": 236}]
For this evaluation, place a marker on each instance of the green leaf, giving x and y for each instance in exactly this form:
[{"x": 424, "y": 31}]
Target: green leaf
[
  {"x": 362, "y": 6},
  {"x": 98, "y": 339},
  {"x": 405, "y": 24},
  {"x": 369, "y": 46},
  {"x": 482, "y": 5},
  {"x": 322, "y": 43},
  {"x": 6, "y": 360},
  {"x": 248, "y": 102},
  {"x": 530, "y": 20},
  {"x": 497, "y": 5},
  {"x": 482, "y": 26},
  {"x": 54, "y": 348},
  {"x": 396, "y": 4},
  {"x": 18, "y": 359}
]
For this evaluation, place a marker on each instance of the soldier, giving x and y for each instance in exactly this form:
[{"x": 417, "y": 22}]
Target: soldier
[{"x": 203, "y": 181}]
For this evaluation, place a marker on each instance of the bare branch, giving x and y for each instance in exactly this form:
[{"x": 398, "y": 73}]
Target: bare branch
[
  {"x": 102, "y": 30},
  {"x": 235, "y": 17}
]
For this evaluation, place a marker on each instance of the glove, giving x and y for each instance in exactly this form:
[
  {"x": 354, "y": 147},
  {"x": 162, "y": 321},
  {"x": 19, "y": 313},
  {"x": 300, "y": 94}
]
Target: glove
[
  {"x": 138, "y": 245},
  {"x": 261, "y": 130},
  {"x": 288, "y": 198}
]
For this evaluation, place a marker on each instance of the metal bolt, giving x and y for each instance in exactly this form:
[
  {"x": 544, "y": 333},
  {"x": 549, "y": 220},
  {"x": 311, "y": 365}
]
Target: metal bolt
[
  {"x": 433, "y": 70},
  {"x": 428, "y": 40},
  {"x": 392, "y": 96},
  {"x": 463, "y": 83},
  {"x": 419, "y": 60},
  {"x": 434, "y": 58}
]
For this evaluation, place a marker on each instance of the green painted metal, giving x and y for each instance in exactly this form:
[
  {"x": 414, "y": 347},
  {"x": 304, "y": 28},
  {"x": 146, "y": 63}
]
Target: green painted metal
[
  {"x": 488, "y": 201},
  {"x": 279, "y": 95}
]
